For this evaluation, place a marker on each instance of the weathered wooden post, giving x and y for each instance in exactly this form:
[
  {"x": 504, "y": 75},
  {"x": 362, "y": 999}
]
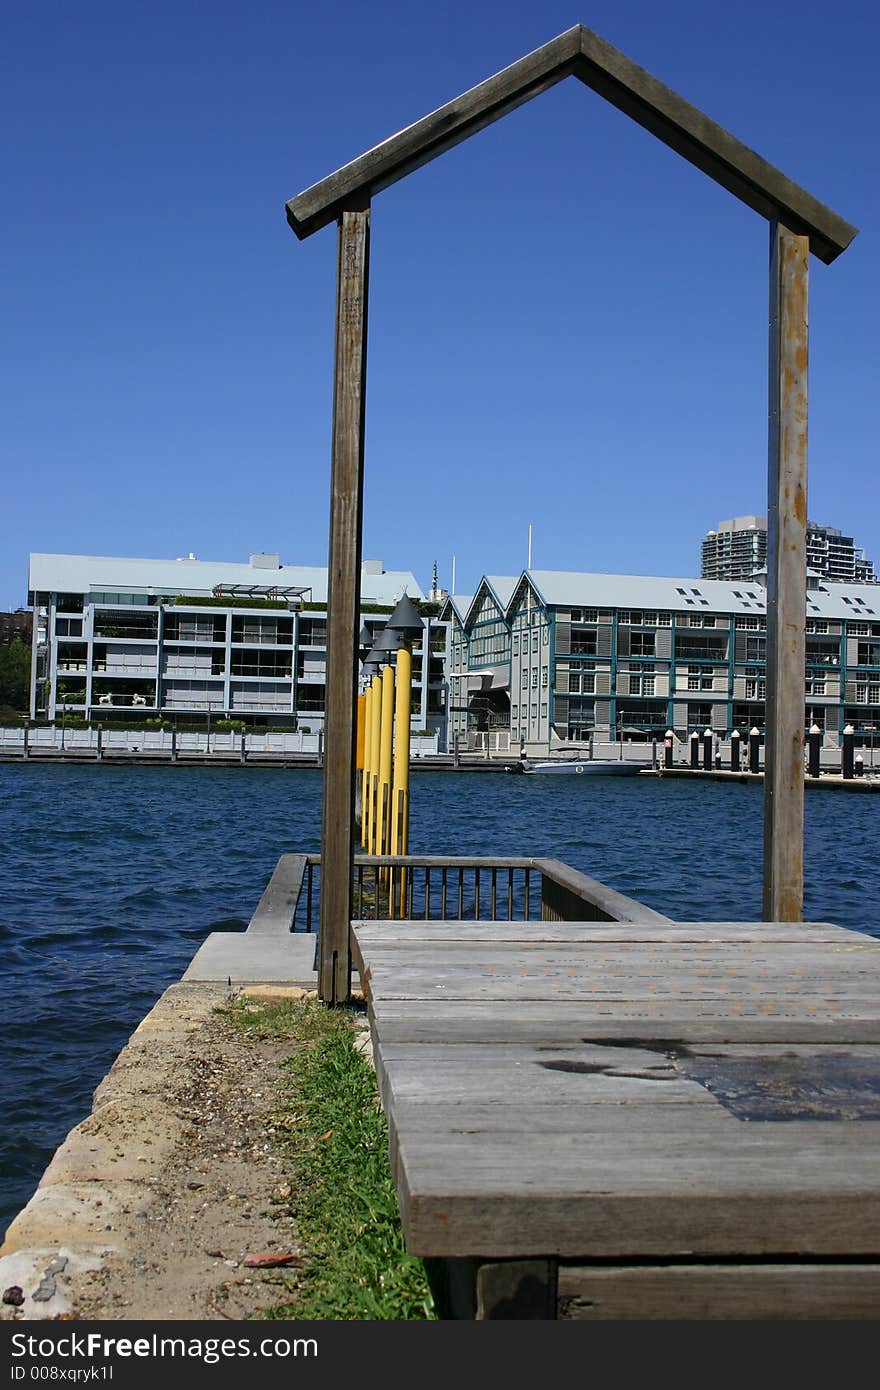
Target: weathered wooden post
[
  {"x": 786, "y": 577},
  {"x": 735, "y": 750},
  {"x": 343, "y": 602},
  {"x": 707, "y": 750}
]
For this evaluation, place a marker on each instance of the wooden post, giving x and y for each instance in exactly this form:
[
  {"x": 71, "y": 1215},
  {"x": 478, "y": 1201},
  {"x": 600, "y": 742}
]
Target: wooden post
[
  {"x": 786, "y": 578},
  {"x": 343, "y": 604}
]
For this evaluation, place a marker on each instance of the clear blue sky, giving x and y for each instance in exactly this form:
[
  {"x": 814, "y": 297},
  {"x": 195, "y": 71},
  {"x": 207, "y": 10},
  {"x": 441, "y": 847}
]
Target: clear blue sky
[{"x": 568, "y": 322}]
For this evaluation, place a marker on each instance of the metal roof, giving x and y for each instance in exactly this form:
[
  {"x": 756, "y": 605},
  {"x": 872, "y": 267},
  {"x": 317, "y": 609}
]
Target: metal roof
[
  {"x": 460, "y": 603},
  {"x": 82, "y": 574},
  {"x": 567, "y": 589}
]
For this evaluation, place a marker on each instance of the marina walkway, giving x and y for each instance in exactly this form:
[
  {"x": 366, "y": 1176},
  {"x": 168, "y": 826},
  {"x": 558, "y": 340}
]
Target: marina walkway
[{"x": 633, "y": 1121}]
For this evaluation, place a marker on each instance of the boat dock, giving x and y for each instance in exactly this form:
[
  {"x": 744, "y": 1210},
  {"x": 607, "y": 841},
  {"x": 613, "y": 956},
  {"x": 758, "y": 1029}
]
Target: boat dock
[{"x": 594, "y": 1112}]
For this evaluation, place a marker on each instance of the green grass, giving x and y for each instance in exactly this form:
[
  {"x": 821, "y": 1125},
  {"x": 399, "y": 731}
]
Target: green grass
[{"x": 343, "y": 1196}]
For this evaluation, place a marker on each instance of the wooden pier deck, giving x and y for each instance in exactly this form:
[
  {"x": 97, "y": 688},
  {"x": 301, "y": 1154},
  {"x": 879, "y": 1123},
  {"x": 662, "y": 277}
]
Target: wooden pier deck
[{"x": 618, "y": 1120}]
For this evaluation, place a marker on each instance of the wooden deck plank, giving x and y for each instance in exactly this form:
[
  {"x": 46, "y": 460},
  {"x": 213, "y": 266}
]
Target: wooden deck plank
[
  {"x": 558, "y": 1095},
  {"x": 565, "y": 1021},
  {"x": 625, "y": 1194},
  {"x": 727, "y": 1292},
  {"x": 382, "y": 934}
]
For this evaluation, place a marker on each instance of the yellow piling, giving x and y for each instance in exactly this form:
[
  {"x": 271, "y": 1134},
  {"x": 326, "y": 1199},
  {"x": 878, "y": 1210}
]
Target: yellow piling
[
  {"x": 365, "y": 768},
  {"x": 359, "y": 764},
  {"x": 400, "y": 789},
  {"x": 385, "y": 739},
  {"x": 374, "y": 763}
]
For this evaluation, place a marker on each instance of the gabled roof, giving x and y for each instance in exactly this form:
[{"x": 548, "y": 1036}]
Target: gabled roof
[
  {"x": 564, "y": 589},
  {"x": 499, "y": 586},
  {"x": 582, "y": 54},
  {"x": 459, "y": 604}
]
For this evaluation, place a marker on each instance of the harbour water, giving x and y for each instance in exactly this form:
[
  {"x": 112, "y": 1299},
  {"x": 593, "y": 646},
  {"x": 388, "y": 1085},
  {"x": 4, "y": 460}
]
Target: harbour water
[{"x": 111, "y": 877}]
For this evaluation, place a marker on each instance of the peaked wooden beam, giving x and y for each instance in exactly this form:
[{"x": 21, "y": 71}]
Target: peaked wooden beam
[{"x": 580, "y": 53}]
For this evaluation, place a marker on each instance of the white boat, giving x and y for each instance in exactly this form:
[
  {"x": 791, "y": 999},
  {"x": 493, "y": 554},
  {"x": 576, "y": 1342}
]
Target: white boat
[{"x": 591, "y": 767}]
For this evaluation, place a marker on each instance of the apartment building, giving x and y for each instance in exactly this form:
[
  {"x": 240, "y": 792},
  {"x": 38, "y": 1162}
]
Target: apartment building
[
  {"x": 574, "y": 655},
  {"x": 194, "y": 640},
  {"x": 737, "y": 549}
]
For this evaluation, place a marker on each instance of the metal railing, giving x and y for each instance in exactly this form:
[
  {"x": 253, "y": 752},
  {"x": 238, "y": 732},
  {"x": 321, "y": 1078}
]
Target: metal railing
[{"x": 461, "y": 888}]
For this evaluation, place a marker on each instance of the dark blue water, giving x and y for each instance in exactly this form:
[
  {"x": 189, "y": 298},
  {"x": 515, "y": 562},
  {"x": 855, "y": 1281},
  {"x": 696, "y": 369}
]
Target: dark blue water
[{"x": 110, "y": 878}]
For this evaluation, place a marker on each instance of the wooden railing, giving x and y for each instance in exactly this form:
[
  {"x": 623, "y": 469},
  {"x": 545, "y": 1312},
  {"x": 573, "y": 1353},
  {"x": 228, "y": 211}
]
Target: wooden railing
[{"x": 464, "y": 888}]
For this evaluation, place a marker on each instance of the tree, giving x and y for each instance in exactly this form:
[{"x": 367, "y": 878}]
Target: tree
[{"x": 15, "y": 675}]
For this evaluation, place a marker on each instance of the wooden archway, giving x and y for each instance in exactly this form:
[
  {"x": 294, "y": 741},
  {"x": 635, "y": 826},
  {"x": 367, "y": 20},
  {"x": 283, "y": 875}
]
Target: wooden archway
[{"x": 799, "y": 225}]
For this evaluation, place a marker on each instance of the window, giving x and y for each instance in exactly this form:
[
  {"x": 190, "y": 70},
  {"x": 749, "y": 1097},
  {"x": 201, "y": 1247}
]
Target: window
[
  {"x": 584, "y": 641},
  {"x": 544, "y": 711},
  {"x": 756, "y": 688},
  {"x": 642, "y": 644},
  {"x": 524, "y": 678},
  {"x": 535, "y": 678},
  {"x": 68, "y": 627},
  {"x": 544, "y": 676},
  {"x": 816, "y": 685},
  {"x": 664, "y": 620}
]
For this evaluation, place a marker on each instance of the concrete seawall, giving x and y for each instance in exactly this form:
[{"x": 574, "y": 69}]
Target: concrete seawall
[{"x": 122, "y": 1203}]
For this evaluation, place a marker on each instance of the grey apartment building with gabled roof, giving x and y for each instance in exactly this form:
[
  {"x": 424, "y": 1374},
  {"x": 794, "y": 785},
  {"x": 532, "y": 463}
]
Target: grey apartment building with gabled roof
[{"x": 572, "y": 655}]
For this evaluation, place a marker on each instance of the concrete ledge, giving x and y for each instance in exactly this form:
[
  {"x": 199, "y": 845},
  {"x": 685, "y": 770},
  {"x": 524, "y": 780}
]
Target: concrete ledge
[{"x": 250, "y": 958}]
